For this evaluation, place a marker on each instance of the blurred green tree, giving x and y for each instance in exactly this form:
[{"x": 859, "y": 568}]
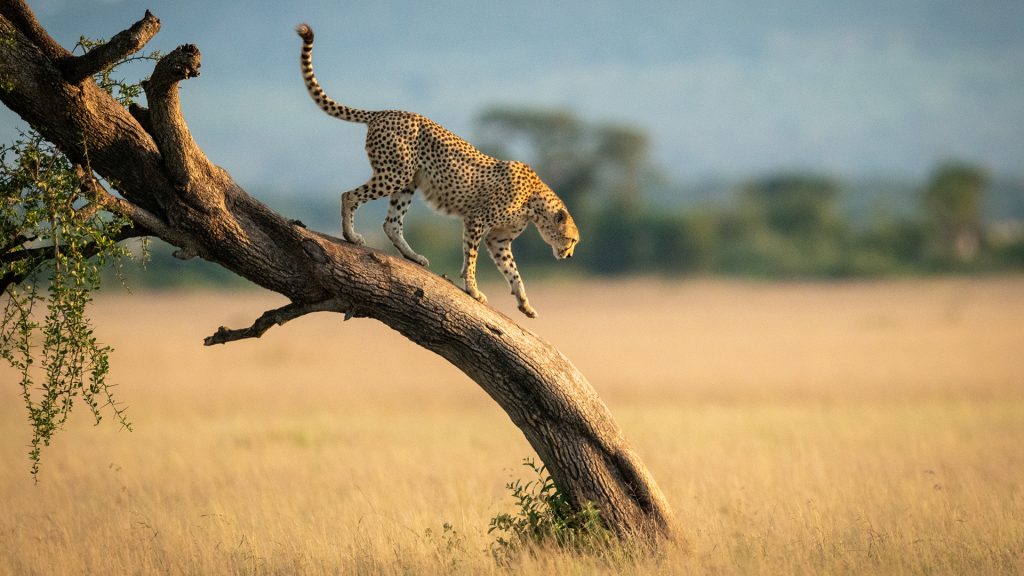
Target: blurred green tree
[
  {"x": 952, "y": 201},
  {"x": 795, "y": 205},
  {"x": 584, "y": 163},
  {"x": 597, "y": 169},
  {"x": 888, "y": 246},
  {"x": 787, "y": 223}
]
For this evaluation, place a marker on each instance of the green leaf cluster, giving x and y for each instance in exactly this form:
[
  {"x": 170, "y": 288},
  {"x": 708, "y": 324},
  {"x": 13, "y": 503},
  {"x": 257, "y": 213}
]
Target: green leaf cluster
[
  {"x": 57, "y": 244},
  {"x": 55, "y": 238}
]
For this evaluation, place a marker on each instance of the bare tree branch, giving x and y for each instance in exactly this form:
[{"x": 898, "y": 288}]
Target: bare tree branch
[
  {"x": 269, "y": 319},
  {"x": 15, "y": 242},
  {"x": 147, "y": 223},
  {"x": 181, "y": 154},
  {"x": 122, "y": 45}
]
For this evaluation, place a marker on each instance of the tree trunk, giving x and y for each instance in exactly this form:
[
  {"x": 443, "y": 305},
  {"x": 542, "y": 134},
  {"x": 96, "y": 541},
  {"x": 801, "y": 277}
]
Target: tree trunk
[{"x": 171, "y": 190}]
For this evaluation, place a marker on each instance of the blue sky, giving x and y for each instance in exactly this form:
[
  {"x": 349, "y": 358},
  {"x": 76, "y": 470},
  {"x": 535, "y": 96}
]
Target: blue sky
[{"x": 725, "y": 88}]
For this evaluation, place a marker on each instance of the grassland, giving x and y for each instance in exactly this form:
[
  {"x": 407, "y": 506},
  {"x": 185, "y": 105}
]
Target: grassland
[{"x": 845, "y": 428}]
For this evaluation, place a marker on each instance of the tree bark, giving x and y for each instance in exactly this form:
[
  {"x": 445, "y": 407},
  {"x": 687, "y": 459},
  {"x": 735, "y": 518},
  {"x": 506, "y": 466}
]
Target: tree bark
[{"x": 171, "y": 190}]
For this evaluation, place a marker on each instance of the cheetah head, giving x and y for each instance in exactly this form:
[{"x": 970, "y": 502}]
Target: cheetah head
[{"x": 557, "y": 228}]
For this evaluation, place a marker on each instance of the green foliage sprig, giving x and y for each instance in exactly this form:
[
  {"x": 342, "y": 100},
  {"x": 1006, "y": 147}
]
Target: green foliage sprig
[
  {"x": 50, "y": 234},
  {"x": 55, "y": 241}
]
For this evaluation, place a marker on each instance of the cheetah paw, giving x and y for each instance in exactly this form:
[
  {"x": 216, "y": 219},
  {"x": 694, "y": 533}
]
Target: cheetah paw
[
  {"x": 419, "y": 259},
  {"x": 479, "y": 296},
  {"x": 525, "y": 308},
  {"x": 355, "y": 238}
]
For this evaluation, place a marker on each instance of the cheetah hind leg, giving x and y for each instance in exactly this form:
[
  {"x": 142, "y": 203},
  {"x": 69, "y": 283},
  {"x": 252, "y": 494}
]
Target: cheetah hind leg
[
  {"x": 393, "y": 223},
  {"x": 352, "y": 200}
]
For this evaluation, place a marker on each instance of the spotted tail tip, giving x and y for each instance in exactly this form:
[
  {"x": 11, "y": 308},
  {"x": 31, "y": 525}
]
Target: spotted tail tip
[{"x": 305, "y": 32}]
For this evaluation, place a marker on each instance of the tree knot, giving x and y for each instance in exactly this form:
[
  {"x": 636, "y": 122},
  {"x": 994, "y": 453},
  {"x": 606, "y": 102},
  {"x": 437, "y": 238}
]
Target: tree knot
[{"x": 314, "y": 250}]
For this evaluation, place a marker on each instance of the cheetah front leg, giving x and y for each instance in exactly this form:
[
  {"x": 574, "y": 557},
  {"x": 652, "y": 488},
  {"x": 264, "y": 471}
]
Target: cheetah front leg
[
  {"x": 499, "y": 245},
  {"x": 399, "y": 205},
  {"x": 471, "y": 235}
]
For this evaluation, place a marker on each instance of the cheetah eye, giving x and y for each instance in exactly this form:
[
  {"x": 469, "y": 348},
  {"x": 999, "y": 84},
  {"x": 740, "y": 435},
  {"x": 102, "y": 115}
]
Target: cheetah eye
[{"x": 561, "y": 216}]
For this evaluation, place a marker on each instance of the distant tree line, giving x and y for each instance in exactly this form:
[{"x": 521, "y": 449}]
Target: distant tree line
[{"x": 780, "y": 225}]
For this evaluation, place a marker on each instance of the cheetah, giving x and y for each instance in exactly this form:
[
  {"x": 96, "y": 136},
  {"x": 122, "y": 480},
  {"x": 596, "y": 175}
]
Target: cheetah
[{"x": 495, "y": 199}]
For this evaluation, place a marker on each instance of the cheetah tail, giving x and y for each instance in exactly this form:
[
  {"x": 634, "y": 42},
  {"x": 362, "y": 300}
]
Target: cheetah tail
[{"x": 325, "y": 102}]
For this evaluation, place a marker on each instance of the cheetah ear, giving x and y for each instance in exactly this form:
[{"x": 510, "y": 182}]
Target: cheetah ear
[{"x": 561, "y": 216}]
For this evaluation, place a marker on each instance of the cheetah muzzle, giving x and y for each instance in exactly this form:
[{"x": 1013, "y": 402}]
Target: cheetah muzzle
[{"x": 495, "y": 199}]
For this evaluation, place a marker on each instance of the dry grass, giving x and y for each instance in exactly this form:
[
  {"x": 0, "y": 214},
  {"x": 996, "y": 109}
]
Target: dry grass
[{"x": 796, "y": 428}]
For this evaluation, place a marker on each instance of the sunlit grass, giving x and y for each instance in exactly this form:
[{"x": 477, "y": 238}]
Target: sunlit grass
[{"x": 795, "y": 428}]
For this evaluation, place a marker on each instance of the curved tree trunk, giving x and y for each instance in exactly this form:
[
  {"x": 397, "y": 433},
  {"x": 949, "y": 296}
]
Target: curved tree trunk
[{"x": 171, "y": 190}]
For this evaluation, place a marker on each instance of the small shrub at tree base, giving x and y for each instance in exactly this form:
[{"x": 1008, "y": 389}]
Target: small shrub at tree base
[{"x": 544, "y": 517}]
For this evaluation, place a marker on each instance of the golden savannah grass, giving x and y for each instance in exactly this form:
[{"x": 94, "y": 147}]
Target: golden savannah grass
[{"x": 796, "y": 428}]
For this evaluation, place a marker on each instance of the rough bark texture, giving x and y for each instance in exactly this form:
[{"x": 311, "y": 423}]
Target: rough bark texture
[{"x": 171, "y": 190}]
